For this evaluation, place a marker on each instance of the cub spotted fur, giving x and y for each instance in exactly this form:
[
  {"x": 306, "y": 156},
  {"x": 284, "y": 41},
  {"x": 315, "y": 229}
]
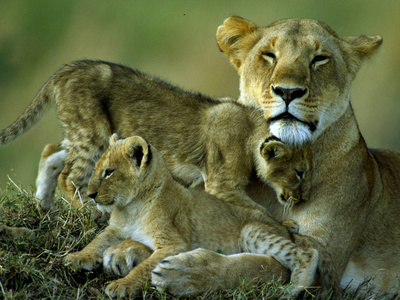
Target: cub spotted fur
[{"x": 150, "y": 207}]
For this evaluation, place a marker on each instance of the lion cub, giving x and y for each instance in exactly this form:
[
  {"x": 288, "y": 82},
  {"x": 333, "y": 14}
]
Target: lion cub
[
  {"x": 287, "y": 169},
  {"x": 151, "y": 208}
]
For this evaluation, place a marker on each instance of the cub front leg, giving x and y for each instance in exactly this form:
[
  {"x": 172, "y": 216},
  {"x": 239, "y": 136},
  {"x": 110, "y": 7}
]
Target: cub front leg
[
  {"x": 329, "y": 277},
  {"x": 258, "y": 238},
  {"x": 119, "y": 259},
  {"x": 91, "y": 256},
  {"x": 136, "y": 279}
]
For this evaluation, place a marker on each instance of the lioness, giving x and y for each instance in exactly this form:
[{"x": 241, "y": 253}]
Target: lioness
[
  {"x": 150, "y": 207},
  {"x": 300, "y": 73}
]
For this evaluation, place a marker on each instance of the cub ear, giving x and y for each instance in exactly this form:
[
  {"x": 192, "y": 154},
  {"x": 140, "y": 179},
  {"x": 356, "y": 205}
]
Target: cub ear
[
  {"x": 359, "y": 48},
  {"x": 138, "y": 151},
  {"x": 275, "y": 149},
  {"x": 236, "y": 37},
  {"x": 113, "y": 138}
]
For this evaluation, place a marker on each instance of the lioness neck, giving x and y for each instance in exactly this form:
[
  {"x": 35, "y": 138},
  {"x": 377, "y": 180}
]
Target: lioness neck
[{"x": 340, "y": 139}]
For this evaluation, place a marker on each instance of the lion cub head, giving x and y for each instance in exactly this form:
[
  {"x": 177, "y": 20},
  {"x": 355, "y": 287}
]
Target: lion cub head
[
  {"x": 124, "y": 172},
  {"x": 287, "y": 169}
]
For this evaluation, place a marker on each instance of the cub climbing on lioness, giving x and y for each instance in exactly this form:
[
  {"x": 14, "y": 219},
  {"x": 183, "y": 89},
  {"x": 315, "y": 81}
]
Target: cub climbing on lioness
[
  {"x": 151, "y": 208},
  {"x": 200, "y": 138}
]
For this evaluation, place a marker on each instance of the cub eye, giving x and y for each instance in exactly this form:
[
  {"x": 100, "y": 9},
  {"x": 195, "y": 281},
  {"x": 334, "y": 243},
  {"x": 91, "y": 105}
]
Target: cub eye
[
  {"x": 108, "y": 173},
  {"x": 319, "y": 60},
  {"x": 269, "y": 57},
  {"x": 300, "y": 174}
]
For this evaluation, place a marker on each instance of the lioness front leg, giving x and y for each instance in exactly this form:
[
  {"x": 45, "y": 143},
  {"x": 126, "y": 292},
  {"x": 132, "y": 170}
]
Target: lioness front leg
[
  {"x": 195, "y": 272},
  {"x": 138, "y": 276},
  {"x": 91, "y": 256},
  {"x": 119, "y": 259}
]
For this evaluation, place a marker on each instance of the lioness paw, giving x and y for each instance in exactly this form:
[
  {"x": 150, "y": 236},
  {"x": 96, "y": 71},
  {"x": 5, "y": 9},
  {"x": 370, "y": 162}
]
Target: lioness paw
[
  {"x": 83, "y": 261},
  {"x": 187, "y": 274}
]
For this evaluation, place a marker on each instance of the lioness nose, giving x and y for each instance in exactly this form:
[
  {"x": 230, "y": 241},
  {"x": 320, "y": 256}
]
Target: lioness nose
[
  {"x": 289, "y": 94},
  {"x": 92, "y": 195}
]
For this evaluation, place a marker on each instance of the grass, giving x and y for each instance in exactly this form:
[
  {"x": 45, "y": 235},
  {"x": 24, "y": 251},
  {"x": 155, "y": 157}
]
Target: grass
[{"x": 32, "y": 268}]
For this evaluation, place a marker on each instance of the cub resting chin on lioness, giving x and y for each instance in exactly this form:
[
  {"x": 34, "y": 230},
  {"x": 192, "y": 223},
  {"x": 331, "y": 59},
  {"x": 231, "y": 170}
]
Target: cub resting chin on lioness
[{"x": 150, "y": 207}]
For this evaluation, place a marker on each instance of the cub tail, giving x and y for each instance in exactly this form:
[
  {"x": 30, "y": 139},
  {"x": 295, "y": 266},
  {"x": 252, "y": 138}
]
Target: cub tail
[{"x": 32, "y": 114}]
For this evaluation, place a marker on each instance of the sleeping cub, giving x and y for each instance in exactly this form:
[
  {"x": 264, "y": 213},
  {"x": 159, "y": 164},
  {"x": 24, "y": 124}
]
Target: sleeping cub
[
  {"x": 151, "y": 208},
  {"x": 287, "y": 169}
]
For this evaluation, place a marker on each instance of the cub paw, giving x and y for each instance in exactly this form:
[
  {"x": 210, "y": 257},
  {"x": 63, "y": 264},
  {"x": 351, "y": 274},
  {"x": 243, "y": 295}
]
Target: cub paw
[
  {"x": 119, "y": 259},
  {"x": 83, "y": 261},
  {"x": 120, "y": 288},
  {"x": 291, "y": 225}
]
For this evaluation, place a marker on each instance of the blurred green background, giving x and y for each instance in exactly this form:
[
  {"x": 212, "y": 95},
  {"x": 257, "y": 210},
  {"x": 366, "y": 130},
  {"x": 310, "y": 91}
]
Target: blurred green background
[{"x": 174, "y": 40}]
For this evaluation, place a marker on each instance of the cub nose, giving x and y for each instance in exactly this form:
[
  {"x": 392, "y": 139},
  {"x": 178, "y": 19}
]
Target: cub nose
[
  {"x": 288, "y": 95},
  {"x": 92, "y": 195}
]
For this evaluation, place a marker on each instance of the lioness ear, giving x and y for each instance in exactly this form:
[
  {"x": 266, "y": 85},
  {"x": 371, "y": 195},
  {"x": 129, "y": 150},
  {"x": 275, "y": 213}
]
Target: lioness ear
[
  {"x": 274, "y": 149},
  {"x": 360, "y": 48},
  {"x": 231, "y": 38},
  {"x": 138, "y": 151}
]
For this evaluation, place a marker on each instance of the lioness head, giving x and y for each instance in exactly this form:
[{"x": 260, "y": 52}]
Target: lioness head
[
  {"x": 298, "y": 71},
  {"x": 287, "y": 169},
  {"x": 123, "y": 172}
]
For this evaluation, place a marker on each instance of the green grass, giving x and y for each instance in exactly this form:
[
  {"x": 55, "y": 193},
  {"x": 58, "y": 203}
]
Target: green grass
[{"x": 33, "y": 268}]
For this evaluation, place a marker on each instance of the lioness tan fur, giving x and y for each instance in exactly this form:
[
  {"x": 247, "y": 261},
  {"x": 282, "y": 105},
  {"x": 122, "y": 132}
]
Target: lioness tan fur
[
  {"x": 300, "y": 73},
  {"x": 150, "y": 207}
]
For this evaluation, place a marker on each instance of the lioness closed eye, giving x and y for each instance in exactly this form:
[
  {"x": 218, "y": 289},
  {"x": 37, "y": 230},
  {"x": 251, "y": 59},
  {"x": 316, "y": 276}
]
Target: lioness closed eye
[{"x": 150, "y": 207}]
